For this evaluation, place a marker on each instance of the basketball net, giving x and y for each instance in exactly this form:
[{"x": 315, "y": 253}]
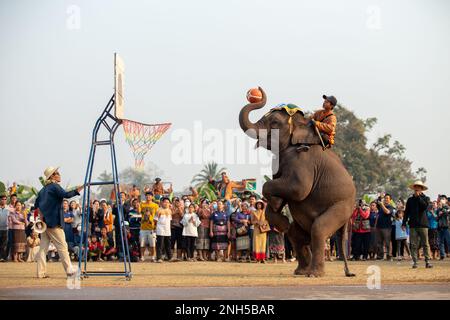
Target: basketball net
[{"x": 141, "y": 138}]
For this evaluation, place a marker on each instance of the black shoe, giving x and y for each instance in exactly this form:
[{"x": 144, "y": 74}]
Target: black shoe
[
  {"x": 441, "y": 258},
  {"x": 428, "y": 265},
  {"x": 414, "y": 266}
]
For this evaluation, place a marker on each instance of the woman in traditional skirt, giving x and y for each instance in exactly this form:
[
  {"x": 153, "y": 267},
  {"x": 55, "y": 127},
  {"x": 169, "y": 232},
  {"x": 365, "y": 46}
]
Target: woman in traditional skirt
[
  {"x": 432, "y": 231},
  {"x": 203, "y": 242},
  {"x": 259, "y": 238},
  {"x": 276, "y": 244},
  {"x": 242, "y": 222},
  {"x": 18, "y": 224},
  {"x": 219, "y": 230}
]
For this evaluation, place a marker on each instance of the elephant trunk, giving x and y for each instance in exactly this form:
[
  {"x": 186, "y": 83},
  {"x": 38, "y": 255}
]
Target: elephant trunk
[{"x": 250, "y": 128}]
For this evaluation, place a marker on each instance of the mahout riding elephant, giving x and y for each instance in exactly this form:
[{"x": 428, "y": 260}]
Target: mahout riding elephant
[{"x": 310, "y": 179}]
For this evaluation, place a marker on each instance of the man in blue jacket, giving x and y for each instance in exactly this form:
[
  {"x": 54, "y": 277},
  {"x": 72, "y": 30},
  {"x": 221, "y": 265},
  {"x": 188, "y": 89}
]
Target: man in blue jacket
[{"x": 49, "y": 202}]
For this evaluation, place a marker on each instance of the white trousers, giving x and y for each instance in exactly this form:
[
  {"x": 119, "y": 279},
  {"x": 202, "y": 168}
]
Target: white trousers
[{"x": 58, "y": 238}]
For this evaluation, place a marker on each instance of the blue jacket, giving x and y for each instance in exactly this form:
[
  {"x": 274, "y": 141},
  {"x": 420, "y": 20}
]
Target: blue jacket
[
  {"x": 49, "y": 202},
  {"x": 432, "y": 219}
]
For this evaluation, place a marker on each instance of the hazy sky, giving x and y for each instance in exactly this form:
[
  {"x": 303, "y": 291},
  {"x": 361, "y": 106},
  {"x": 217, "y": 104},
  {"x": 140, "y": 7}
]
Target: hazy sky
[{"x": 190, "y": 61}]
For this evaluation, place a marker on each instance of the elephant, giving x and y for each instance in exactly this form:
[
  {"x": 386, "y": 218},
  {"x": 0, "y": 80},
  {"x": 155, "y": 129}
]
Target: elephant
[{"x": 309, "y": 178}]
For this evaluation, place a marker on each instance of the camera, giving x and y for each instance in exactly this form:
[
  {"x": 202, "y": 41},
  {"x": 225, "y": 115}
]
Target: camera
[{"x": 379, "y": 201}]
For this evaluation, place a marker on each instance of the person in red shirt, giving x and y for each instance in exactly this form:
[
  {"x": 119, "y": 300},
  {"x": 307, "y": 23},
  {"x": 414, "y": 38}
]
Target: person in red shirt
[
  {"x": 360, "y": 231},
  {"x": 95, "y": 249}
]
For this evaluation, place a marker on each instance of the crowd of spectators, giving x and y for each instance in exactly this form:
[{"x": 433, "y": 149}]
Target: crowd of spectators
[
  {"x": 187, "y": 228},
  {"x": 379, "y": 230}
]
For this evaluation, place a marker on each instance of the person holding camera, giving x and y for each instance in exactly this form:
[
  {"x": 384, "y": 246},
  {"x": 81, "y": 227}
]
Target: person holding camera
[
  {"x": 416, "y": 218},
  {"x": 360, "y": 231},
  {"x": 383, "y": 226},
  {"x": 443, "y": 213}
]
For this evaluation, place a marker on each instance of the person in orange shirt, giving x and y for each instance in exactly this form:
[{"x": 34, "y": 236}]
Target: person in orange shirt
[{"x": 325, "y": 120}]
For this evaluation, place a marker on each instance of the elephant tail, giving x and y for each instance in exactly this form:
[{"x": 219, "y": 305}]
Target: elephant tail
[{"x": 344, "y": 238}]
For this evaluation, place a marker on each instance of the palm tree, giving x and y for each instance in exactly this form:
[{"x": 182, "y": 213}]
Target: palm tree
[{"x": 208, "y": 173}]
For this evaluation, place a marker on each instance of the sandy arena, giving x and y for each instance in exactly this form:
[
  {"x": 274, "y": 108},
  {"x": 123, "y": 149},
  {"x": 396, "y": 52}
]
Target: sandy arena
[{"x": 210, "y": 280}]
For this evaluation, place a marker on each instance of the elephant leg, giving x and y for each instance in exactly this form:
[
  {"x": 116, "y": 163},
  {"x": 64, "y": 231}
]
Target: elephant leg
[
  {"x": 300, "y": 240},
  {"x": 277, "y": 219},
  {"x": 276, "y": 191},
  {"x": 333, "y": 219},
  {"x": 287, "y": 188}
]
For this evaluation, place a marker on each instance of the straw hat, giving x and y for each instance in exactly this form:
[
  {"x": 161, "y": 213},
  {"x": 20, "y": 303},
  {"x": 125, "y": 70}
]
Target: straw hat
[
  {"x": 49, "y": 172},
  {"x": 418, "y": 183}
]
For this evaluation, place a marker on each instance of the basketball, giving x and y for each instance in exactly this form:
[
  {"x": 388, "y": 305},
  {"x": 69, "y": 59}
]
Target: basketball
[{"x": 254, "y": 95}]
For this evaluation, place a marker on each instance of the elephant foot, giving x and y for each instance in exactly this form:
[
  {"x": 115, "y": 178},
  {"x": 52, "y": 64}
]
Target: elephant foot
[
  {"x": 301, "y": 271},
  {"x": 315, "y": 273}
]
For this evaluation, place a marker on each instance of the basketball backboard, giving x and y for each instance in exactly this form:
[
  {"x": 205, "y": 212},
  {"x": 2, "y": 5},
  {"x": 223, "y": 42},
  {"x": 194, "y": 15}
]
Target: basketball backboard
[{"x": 119, "y": 70}]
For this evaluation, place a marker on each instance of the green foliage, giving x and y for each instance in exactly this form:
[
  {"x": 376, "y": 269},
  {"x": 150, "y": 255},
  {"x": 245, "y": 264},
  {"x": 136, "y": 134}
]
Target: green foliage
[
  {"x": 2, "y": 188},
  {"x": 24, "y": 193},
  {"x": 367, "y": 198},
  {"x": 207, "y": 191},
  {"x": 208, "y": 173},
  {"x": 380, "y": 167}
]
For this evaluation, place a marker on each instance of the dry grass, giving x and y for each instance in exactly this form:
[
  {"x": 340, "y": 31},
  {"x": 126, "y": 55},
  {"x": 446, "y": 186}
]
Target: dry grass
[{"x": 212, "y": 274}]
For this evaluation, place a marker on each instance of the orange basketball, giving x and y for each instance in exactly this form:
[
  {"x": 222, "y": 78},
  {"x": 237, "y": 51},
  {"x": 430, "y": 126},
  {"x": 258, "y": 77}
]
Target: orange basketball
[{"x": 254, "y": 95}]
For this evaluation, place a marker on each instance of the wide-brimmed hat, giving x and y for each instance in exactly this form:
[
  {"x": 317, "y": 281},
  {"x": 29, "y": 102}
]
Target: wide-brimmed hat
[
  {"x": 49, "y": 172},
  {"x": 418, "y": 183},
  {"x": 262, "y": 202}
]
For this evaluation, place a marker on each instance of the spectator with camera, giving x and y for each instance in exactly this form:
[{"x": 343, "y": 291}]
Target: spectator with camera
[
  {"x": 361, "y": 231},
  {"x": 383, "y": 226},
  {"x": 433, "y": 237},
  {"x": 443, "y": 213},
  {"x": 416, "y": 218}
]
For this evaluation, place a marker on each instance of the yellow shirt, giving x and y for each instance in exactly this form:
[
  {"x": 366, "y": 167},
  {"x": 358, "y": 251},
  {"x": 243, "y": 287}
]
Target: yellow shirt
[{"x": 148, "y": 211}]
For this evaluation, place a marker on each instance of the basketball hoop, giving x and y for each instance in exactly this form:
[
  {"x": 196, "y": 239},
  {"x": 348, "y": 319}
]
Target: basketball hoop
[{"x": 141, "y": 138}]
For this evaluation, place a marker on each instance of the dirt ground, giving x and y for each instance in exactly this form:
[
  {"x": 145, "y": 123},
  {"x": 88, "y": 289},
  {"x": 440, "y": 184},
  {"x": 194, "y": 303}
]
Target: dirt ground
[{"x": 213, "y": 274}]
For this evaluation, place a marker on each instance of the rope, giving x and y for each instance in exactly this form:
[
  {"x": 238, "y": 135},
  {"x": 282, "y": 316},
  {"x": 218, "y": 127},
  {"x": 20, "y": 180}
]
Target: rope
[{"x": 142, "y": 137}]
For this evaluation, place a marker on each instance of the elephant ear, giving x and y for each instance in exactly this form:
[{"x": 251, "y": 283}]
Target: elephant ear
[{"x": 302, "y": 132}]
